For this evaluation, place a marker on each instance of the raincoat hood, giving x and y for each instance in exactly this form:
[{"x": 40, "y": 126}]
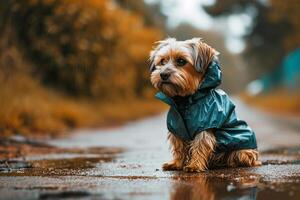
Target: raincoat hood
[
  {"x": 213, "y": 77},
  {"x": 209, "y": 108}
]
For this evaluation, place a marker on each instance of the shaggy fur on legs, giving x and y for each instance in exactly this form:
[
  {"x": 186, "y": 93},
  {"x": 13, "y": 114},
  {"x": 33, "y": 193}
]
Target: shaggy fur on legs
[
  {"x": 241, "y": 158},
  {"x": 200, "y": 150},
  {"x": 198, "y": 155},
  {"x": 202, "y": 156},
  {"x": 179, "y": 152}
]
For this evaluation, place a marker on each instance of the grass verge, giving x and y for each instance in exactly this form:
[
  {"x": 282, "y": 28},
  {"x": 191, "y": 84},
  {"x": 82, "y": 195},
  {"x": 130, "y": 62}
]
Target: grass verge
[
  {"x": 27, "y": 108},
  {"x": 279, "y": 101}
]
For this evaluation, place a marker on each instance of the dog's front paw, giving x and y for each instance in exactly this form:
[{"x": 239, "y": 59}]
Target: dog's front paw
[
  {"x": 257, "y": 163},
  {"x": 170, "y": 166},
  {"x": 190, "y": 168}
]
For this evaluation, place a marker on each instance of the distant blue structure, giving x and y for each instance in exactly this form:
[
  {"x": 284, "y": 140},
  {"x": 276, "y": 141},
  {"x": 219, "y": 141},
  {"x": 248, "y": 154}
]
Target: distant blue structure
[
  {"x": 291, "y": 69},
  {"x": 287, "y": 75}
]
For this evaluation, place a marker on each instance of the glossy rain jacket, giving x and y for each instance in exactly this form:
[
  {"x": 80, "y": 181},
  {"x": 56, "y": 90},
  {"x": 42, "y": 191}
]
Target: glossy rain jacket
[{"x": 209, "y": 108}]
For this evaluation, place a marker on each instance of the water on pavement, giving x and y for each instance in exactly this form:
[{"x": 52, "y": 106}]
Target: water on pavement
[{"x": 135, "y": 171}]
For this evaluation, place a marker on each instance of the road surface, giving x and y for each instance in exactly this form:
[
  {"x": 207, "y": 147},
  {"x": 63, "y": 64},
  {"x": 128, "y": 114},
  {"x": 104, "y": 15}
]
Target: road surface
[{"x": 135, "y": 172}]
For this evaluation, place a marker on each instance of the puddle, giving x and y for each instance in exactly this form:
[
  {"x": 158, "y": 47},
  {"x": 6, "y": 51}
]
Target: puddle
[
  {"x": 101, "y": 173},
  {"x": 281, "y": 156},
  {"x": 274, "y": 182},
  {"x": 64, "y": 195},
  {"x": 60, "y": 167},
  {"x": 13, "y": 165},
  {"x": 216, "y": 188},
  {"x": 59, "y": 162}
]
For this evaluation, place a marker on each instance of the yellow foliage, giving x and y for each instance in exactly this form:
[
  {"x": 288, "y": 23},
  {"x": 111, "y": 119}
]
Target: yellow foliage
[
  {"x": 280, "y": 101},
  {"x": 28, "y": 108},
  {"x": 92, "y": 49},
  {"x": 85, "y": 47},
  {"x": 288, "y": 11}
]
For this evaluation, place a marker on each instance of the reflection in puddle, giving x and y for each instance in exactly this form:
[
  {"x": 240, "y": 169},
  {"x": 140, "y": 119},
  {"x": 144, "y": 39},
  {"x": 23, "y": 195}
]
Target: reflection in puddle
[
  {"x": 205, "y": 187},
  {"x": 238, "y": 184},
  {"x": 108, "y": 175},
  {"x": 60, "y": 167},
  {"x": 60, "y": 164}
]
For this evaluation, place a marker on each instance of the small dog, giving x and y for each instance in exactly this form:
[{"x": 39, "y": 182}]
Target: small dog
[{"x": 204, "y": 131}]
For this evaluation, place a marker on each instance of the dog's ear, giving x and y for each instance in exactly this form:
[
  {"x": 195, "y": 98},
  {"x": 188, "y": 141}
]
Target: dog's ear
[
  {"x": 151, "y": 60},
  {"x": 159, "y": 45},
  {"x": 203, "y": 54}
]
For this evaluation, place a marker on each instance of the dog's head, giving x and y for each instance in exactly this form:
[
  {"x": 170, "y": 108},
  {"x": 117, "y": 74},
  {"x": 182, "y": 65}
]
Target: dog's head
[{"x": 178, "y": 67}]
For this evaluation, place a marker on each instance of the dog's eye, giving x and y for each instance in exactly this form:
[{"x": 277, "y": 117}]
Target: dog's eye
[
  {"x": 180, "y": 62},
  {"x": 163, "y": 61}
]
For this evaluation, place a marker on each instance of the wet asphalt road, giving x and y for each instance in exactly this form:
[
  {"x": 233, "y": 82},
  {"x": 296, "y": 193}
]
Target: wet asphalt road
[{"x": 135, "y": 173}]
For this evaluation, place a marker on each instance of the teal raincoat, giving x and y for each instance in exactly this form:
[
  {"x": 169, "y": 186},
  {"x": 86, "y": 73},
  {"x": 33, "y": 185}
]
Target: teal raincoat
[{"x": 209, "y": 108}]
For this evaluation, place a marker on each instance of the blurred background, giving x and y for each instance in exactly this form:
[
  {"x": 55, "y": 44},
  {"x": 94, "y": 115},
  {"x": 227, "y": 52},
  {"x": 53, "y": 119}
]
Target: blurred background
[{"x": 83, "y": 63}]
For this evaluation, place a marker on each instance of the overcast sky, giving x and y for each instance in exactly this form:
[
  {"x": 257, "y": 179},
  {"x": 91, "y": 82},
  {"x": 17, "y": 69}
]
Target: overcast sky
[{"x": 191, "y": 11}]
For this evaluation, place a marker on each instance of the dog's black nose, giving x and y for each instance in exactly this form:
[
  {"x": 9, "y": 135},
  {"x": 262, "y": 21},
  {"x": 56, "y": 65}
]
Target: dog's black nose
[{"x": 164, "y": 76}]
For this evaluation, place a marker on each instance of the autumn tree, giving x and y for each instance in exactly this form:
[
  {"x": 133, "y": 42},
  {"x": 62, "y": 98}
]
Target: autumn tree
[
  {"x": 274, "y": 33},
  {"x": 84, "y": 47}
]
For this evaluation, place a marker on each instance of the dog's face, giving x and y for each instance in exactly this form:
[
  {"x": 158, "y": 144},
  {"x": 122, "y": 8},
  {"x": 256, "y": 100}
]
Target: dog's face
[{"x": 178, "y": 67}]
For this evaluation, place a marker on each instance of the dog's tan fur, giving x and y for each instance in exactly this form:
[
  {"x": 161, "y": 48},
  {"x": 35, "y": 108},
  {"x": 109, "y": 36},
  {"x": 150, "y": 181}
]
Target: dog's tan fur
[
  {"x": 197, "y": 155},
  {"x": 200, "y": 187},
  {"x": 200, "y": 151},
  {"x": 179, "y": 151}
]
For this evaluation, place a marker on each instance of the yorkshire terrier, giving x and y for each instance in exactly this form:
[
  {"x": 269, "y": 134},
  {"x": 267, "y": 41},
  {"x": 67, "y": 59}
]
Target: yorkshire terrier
[{"x": 204, "y": 131}]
